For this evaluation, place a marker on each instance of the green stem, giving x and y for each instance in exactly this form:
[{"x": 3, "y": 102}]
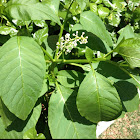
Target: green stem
[
  {"x": 61, "y": 31},
  {"x": 78, "y": 60},
  {"x": 27, "y": 28},
  {"x": 47, "y": 54},
  {"x": 108, "y": 53},
  {"x": 60, "y": 35}
]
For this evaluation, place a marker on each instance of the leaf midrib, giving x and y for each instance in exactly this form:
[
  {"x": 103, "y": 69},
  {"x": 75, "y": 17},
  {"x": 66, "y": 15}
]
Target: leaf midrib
[
  {"x": 19, "y": 47},
  {"x": 67, "y": 109},
  {"x": 97, "y": 88}
]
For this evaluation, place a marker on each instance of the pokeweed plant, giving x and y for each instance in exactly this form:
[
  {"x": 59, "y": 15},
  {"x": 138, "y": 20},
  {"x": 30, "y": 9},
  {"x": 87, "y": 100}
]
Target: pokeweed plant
[{"x": 61, "y": 72}]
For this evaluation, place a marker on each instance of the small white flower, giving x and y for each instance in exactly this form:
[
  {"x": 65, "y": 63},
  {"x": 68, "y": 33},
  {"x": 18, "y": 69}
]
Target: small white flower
[
  {"x": 67, "y": 44},
  {"x": 67, "y": 36}
]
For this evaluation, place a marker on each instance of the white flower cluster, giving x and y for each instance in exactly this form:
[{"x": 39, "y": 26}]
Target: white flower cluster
[{"x": 67, "y": 44}]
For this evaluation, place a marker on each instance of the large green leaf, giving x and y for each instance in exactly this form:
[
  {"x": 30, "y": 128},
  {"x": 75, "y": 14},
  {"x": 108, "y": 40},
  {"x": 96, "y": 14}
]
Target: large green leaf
[
  {"x": 125, "y": 84},
  {"x": 18, "y": 127},
  {"x": 65, "y": 122},
  {"x": 22, "y": 73},
  {"x": 97, "y": 98},
  {"x": 31, "y": 10},
  {"x": 129, "y": 49},
  {"x": 92, "y": 23}
]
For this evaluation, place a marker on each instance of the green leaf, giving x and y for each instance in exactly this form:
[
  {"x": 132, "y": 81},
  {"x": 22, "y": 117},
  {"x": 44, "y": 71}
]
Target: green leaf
[
  {"x": 31, "y": 10},
  {"x": 94, "y": 43},
  {"x": 120, "y": 4},
  {"x": 5, "y": 30},
  {"x": 93, "y": 7},
  {"x": 21, "y": 23},
  {"x": 64, "y": 120},
  {"x": 32, "y": 134},
  {"x": 75, "y": 8},
  {"x": 89, "y": 54},
  {"x": 77, "y": 27},
  {"x": 22, "y": 71},
  {"x": 98, "y": 1},
  {"x": 69, "y": 78},
  {"x": 40, "y": 23},
  {"x": 114, "y": 19},
  {"x": 40, "y": 35},
  {"x": 18, "y": 127},
  {"x": 129, "y": 49},
  {"x": 82, "y": 3},
  {"x": 103, "y": 12},
  {"x": 125, "y": 82},
  {"x": 44, "y": 88},
  {"x": 125, "y": 33},
  {"x": 6, "y": 116},
  {"x": 92, "y": 23},
  {"x": 97, "y": 98},
  {"x": 50, "y": 44},
  {"x": 107, "y": 3}
]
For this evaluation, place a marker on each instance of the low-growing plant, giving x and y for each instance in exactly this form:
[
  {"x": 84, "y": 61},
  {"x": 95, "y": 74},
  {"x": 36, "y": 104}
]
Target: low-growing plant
[{"x": 65, "y": 65}]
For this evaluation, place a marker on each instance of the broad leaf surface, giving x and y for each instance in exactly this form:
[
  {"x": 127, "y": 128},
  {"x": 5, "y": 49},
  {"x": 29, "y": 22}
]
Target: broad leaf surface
[
  {"x": 125, "y": 85},
  {"x": 21, "y": 75},
  {"x": 97, "y": 98},
  {"x": 30, "y": 10},
  {"x": 125, "y": 33},
  {"x": 92, "y": 23},
  {"x": 69, "y": 78},
  {"x": 64, "y": 120},
  {"x": 18, "y": 127},
  {"x": 129, "y": 49}
]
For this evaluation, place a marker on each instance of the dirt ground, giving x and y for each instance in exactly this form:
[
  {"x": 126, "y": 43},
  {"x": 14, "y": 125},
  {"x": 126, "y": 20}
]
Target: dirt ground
[{"x": 124, "y": 128}]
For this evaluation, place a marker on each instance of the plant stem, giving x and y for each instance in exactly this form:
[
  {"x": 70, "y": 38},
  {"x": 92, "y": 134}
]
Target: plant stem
[
  {"x": 61, "y": 30},
  {"x": 60, "y": 35},
  {"x": 78, "y": 60},
  {"x": 108, "y": 53},
  {"x": 47, "y": 54},
  {"x": 26, "y": 24}
]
